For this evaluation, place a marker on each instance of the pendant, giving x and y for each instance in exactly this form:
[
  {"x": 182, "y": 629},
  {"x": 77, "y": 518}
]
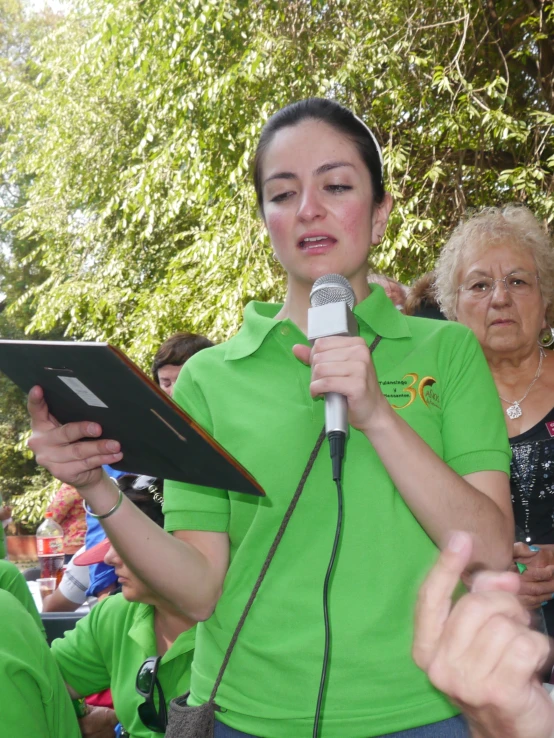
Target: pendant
[{"x": 514, "y": 411}]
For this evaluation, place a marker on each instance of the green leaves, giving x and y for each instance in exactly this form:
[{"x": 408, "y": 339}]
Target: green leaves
[
  {"x": 127, "y": 132},
  {"x": 134, "y": 127},
  {"x": 28, "y": 509}
]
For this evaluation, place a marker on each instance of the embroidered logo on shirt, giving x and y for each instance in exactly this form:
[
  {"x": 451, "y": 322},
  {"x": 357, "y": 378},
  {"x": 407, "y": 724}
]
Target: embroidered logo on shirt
[
  {"x": 427, "y": 393},
  {"x": 550, "y": 428},
  {"x": 406, "y": 390}
]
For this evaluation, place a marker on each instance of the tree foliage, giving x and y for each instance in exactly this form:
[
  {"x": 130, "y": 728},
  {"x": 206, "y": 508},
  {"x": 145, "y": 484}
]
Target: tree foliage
[
  {"x": 135, "y": 125},
  {"x": 19, "y": 271}
]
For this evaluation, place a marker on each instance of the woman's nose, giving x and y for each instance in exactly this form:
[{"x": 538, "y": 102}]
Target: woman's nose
[
  {"x": 112, "y": 557},
  {"x": 500, "y": 295},
  {"x": 311, "y": 206}
]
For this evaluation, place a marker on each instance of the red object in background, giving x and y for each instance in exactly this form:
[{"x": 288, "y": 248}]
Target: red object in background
[
  {"x": 50, "y": 548},
  {"x": 101, "y": 699}
]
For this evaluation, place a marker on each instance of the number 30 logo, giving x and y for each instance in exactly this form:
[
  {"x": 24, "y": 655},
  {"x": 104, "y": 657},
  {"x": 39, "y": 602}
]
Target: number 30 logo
[{"x": 411, "y": 390}]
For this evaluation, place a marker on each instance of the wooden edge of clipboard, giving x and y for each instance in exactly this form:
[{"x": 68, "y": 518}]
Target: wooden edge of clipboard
[{"x": 190, "y": 421}]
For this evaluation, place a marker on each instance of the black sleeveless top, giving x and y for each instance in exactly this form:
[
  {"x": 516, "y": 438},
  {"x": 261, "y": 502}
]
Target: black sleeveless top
[
  {"x": 532, "y": 489},
  {"x": 532, "y": 481}
]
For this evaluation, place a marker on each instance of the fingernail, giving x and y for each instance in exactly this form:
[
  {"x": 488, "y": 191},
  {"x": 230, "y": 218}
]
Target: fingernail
[
  {"x": 112, "y": 446},
  {"x": 456, "y": 542},
  {"x": 534, "y": 548},
  {"x": 92, "y": 428}
]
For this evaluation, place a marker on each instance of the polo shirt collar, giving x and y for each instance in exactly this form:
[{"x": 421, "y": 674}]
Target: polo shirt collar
[
  {"x": 142, "y": 629},
  {"x": 259, "y": 321},
  {"x": 142, "y": 632},
  {"x": 184, "y": 643},
  {"x": 377, "y": 312}
]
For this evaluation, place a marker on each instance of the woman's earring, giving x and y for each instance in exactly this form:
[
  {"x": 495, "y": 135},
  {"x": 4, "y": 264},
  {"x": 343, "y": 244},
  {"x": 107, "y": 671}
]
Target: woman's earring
[
  {"x": 274, "y": 256},
  {"x": 546, "y": 337}
]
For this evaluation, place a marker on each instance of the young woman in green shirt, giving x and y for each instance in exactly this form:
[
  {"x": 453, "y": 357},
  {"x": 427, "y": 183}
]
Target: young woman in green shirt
[{"x": 427, "y": 452}]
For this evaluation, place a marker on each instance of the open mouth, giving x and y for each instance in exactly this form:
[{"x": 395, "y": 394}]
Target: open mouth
[{"x": 311, "y": 243}]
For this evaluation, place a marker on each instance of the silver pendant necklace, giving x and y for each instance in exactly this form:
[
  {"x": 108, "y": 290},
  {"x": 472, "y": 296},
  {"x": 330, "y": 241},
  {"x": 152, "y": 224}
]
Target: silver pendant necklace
[{"x": 514, "y": 410}]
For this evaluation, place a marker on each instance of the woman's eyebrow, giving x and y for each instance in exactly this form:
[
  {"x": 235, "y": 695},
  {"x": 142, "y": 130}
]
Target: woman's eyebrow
[
  {"x": 331, "y": 165},
  {"x": 320, "y": 170},
  {"x": 482, "y": 273},
  {"x": 281, "y": 175},
  {"x": 477, "y": 273}
]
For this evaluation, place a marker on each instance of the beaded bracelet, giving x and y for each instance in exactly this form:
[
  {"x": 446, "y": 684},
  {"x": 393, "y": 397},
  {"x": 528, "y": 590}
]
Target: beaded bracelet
[{"x": 110, "y": 512}]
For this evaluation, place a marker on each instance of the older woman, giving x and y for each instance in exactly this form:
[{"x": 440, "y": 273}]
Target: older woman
[{"x": 496, "y": 276}]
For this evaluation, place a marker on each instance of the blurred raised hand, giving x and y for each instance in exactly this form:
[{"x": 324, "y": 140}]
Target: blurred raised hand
[{"x": 480, "y": 650}]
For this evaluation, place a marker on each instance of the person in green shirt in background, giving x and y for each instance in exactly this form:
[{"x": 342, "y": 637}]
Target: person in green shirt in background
[
  {"x": 34, "y": 702},
  {"x": 108, "y": 647},
  {"x": 12, "y": 580}
]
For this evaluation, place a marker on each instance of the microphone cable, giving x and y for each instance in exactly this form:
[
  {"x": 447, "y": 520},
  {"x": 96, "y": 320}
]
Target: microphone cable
[{"x": 330, "y": 568}]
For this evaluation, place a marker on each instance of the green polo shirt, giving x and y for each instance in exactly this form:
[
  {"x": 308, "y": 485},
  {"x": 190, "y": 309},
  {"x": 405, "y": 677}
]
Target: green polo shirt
[
  {"x": 252, "y": 394},
  {"x": 13, "y": 581},
  {"x": 35, "y": 702},
  {"x": 107, "y": 648}
]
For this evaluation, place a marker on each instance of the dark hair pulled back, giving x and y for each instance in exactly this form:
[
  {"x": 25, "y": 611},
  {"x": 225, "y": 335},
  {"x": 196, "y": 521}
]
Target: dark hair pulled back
[{"x": 335, "y": 115}]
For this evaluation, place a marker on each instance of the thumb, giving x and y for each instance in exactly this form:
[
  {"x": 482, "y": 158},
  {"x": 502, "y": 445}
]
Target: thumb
[
  {"x": 36, "y": 405},
  {"x": 41, "y": 419},
  {"x": 303, "y": 353}
]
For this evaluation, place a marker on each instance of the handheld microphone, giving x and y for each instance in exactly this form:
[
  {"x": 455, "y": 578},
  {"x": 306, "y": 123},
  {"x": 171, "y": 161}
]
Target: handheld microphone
[{"x": 332, "y": 299}]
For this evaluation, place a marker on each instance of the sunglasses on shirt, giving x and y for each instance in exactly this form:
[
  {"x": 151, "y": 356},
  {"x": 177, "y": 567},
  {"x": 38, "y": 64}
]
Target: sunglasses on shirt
[{"x": 154, "y": 718}]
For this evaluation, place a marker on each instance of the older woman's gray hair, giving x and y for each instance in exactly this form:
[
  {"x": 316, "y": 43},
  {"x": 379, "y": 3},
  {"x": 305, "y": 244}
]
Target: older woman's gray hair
[{"x": 512, "y": 225}]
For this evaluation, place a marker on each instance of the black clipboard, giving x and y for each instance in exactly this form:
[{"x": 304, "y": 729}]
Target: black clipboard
[{"x": 97, "y": 382}]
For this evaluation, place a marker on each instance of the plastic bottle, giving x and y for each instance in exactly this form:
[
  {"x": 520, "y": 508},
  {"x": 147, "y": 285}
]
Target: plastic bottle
[{"x": 50, "y": 547}]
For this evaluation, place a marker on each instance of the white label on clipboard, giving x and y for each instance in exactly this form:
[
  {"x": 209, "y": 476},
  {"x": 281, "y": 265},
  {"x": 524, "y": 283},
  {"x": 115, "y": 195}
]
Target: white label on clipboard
[{"x": 84, "y": 393}]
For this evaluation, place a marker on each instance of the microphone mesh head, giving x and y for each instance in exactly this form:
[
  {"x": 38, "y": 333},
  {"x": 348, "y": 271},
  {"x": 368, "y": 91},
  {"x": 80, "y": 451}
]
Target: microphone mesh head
[{"x": 332, "y": 288}]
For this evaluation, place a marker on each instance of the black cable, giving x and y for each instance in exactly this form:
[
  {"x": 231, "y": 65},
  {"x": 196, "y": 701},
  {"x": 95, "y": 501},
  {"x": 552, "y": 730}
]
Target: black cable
[
  {"x": 326, "y": 604},
  {"x": 337, "y": 440}
]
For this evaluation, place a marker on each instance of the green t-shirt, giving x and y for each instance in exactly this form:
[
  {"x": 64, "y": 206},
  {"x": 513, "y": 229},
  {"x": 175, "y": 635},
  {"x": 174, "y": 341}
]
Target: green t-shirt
[
  {"x": 35, "y": 702},
  {"x": 107, "y": 648},
  {"x": 252, "y": 394},
  {"x": 13, "y": 581}
]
